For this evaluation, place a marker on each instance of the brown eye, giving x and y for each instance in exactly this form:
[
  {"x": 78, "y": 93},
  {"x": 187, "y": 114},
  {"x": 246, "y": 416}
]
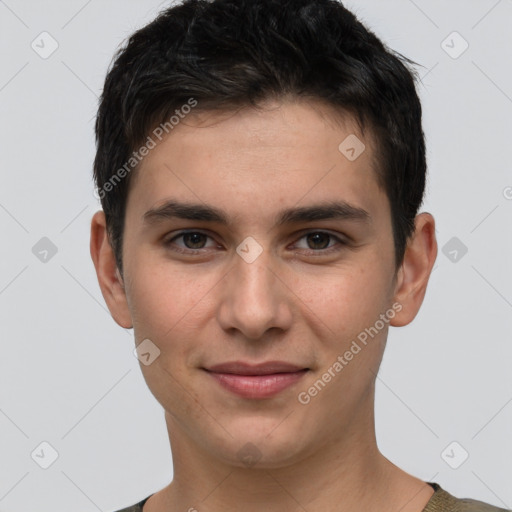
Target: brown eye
[
  {"x": 194, "y": 240},
  {"x": 318, "y": 240},
  {"x": 190, "y": 242}
]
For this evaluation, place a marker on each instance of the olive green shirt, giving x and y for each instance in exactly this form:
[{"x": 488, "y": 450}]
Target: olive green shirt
[{"x": 440, "y": 501}]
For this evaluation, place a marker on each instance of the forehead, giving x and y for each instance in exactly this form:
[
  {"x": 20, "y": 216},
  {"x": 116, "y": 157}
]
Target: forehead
[{"x": 283, "y": 153}]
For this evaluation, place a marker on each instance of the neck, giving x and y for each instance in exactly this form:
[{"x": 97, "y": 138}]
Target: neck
[{"x": 344, "y": 473}]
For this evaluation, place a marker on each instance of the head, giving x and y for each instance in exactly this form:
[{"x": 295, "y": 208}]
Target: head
[
  {"x": 287, "y": 140},
  {"x": 225, "y": 55}
]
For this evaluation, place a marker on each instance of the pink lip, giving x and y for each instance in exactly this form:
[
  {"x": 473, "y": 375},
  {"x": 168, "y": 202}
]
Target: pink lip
[{"x": 256, "y": 381}]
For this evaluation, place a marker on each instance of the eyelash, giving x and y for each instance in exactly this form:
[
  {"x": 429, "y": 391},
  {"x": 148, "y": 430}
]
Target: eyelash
[{"x": 319, "y": 252}]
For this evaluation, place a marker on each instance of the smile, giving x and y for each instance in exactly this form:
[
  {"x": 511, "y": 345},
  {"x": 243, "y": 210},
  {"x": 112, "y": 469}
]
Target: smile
[{"x": 256, "y": 381}]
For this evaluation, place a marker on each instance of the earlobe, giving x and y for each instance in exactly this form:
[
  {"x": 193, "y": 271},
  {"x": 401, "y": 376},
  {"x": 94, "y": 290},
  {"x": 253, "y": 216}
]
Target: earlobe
[
  {"x": 109, "y": 277},
  {"x": 413, "y": 275}
]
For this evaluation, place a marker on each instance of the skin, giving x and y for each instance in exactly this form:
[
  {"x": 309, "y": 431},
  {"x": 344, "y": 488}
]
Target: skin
[{"x": 302, "y": 300}]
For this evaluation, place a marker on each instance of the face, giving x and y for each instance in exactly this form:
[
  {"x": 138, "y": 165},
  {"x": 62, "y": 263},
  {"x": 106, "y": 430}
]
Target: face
[{"x": 259, "y": 260}]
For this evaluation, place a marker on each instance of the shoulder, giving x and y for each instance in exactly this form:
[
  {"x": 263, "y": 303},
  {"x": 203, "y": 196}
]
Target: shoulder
[
  {"x": 442, "y": 501},
  {"x": 135, "y": 508},
  {"x": 468, "y": 505}
]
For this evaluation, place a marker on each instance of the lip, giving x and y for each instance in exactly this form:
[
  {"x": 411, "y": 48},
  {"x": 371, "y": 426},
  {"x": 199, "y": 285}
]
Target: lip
[{"x": 256, "y": 381}]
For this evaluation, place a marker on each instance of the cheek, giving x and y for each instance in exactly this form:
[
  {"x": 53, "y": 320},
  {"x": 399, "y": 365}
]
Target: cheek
[
  {"x": 343, "y": 300},
  {"x": 167, "y": 306},
  {"x": 163, "y": 298}
]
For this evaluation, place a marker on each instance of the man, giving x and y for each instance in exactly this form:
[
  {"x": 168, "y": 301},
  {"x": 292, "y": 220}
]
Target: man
[{"x": 261, "y": 164}]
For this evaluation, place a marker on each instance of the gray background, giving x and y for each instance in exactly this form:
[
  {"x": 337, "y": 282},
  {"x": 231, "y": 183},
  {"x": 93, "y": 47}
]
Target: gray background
[{"x": 68, "y": 376}]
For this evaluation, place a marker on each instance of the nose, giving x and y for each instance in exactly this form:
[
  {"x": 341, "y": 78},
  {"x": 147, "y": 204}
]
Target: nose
[{"x": 255, "y": 298}]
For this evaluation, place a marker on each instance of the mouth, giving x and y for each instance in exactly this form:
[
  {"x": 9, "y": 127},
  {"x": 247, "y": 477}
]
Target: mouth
[{"x": 258, "y": 381}]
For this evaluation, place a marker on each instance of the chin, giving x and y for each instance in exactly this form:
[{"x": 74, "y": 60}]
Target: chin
[{"x": 262, "y": 445}]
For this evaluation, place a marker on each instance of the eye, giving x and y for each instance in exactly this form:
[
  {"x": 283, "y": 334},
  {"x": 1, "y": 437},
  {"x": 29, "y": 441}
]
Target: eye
[
  {"x": 193, "y": 241},
  {"x": 321, "y": 242},
  {"x": 196, "y": 242}
]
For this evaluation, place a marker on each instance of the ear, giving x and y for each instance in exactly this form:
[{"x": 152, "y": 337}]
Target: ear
[
  {"x": 414, "y": 273},
  {"x": 109, "y": 277}
]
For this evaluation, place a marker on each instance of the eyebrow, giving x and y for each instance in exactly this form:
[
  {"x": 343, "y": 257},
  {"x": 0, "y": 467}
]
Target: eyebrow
[{"x": 201, "y": 212}]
